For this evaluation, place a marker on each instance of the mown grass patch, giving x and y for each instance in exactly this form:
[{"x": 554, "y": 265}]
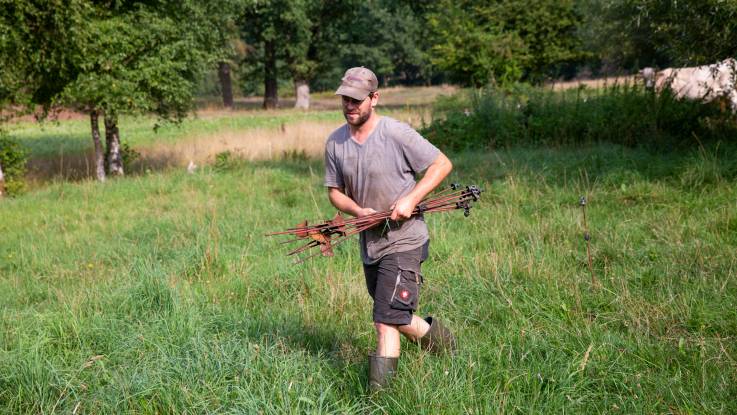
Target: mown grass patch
[{"x": 159, "y": 293}]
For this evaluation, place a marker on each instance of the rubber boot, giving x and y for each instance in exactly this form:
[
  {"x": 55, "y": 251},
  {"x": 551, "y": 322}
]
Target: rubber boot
[
  {"x": 381, "y": 370},
  {"x": 438, "y": 338}
]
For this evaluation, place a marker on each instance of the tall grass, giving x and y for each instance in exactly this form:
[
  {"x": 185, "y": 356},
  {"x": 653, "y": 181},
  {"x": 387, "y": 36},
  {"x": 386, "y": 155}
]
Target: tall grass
[
  {"x": 64, "y": 150},
  {"x": 70, "y": 137},
  {"x": 158, "y": 293},
  {"x": 622, "y": 114}
]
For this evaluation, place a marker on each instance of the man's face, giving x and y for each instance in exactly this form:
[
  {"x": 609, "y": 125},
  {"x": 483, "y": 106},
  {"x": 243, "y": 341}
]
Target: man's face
[{"x": 357, "y": 112}]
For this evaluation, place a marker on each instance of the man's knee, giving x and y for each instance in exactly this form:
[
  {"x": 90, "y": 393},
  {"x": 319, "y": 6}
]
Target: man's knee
[
  {"x": 383, "y": 328},
  {"x": 405, "y": 329}
]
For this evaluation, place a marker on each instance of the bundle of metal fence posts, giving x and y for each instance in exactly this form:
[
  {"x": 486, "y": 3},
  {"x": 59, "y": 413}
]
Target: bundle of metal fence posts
[{"x": 329, "y": 233}]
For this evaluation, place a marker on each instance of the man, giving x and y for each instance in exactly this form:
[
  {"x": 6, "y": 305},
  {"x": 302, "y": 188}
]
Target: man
[{"x": 370, "y": 166}]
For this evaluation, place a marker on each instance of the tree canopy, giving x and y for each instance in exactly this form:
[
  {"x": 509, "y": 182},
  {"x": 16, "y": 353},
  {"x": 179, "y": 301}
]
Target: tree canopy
[
  {"x": 125, "y": 56},
  {"x": 503, "y": 41},
  {"x": 631, "y": 34},
  {"x": 108, "y": 58}
]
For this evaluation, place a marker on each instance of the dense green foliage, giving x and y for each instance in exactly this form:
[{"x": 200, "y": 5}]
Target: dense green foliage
[
  {"x": 477, "y": 42},
  {"x": 174, "y": 302},
  {"x": 141, "y": 60},
  {"x": 35, "y": 58},
  {"x": 108, "y": 59},
  {"x": 631, "y": 34},
  {"x": 13, "y": 164},
  {"x": 388, "y": 36},
  {"x": 269, "y": 27},
  {"x": 472, "y": 42},
  {"x": 622, "y": 114},
  {"x": 480, "y": 42},
  {"x": 84, "y": 47},
  {"x": 325, "y": 37}
]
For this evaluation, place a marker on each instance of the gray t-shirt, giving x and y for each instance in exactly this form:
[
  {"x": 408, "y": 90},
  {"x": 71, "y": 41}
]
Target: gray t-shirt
[{"x": 376, "y": 174}]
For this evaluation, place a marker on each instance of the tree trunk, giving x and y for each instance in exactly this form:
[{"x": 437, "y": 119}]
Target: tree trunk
[
  {"x": 112, "y": 141},
  {"x": 302, "y": 89},
  {"x": 271, "y": 97},
  {"x": 99, "y": 152},
  {"x": 2, "y": 182},
  {"x": 226, "y": 85}
]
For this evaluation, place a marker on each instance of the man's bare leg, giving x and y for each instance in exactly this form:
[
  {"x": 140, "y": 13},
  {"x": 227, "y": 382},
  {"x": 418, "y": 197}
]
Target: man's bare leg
[
  {"x": 388, "y": 335},
  {"x": 383, "y": 364},
  {"x": 387, "y": 340},
  {"x": 417, "y": 328}
]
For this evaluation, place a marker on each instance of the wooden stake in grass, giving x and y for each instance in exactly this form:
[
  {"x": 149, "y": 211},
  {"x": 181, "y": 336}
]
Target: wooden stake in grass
[
  {"x": 587, "y": 238},
  {"x": 331, "y": 232}
]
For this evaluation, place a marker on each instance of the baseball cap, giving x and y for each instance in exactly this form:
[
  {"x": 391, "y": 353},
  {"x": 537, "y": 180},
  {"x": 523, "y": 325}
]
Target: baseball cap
[{"x": 357, "y": 83}]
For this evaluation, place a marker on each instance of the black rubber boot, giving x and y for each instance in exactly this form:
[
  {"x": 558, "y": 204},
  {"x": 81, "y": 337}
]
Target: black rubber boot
[
  {"x": 381, "y": 370},
  {"x": 438, "y": 339}
]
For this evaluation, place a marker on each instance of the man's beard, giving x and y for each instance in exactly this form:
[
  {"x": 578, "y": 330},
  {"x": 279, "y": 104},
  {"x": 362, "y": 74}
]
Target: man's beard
[{"x": 362, "y": 118}]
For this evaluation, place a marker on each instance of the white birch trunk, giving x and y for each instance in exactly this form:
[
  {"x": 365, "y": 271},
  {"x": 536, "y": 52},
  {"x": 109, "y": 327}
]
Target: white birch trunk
[
  {"x": 112, "y": 141},
  {"x": 99, "y": 153},
  {"x": 302, "y": 89}
]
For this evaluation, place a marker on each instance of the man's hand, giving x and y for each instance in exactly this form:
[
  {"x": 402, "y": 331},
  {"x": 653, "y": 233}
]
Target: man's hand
[
  {"x": 403, "y": 209},
  {"x": 435, "y": 174},
  {"x": 345, "y": 204},
  {"x": 364, "y": 212}
]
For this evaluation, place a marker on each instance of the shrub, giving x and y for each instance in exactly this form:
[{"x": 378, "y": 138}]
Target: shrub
[
  {"x": 13, "y": 161},
  {"x": 128, "y": 154},
  {"x": 223, "y": 161},
  {"x": 622, "y": 114}
]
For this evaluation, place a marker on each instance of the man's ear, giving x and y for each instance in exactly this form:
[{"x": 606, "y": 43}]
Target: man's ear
[{"x": 374, "y": 99}]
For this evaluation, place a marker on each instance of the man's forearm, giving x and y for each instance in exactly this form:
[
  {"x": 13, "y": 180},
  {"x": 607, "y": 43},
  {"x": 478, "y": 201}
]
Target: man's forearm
[
  {"x": 435, "y": 174},
  {"x": 343, "y": 203}
]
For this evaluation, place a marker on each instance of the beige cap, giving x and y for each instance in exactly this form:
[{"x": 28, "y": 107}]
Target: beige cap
[{"x": 357, "y": 83}]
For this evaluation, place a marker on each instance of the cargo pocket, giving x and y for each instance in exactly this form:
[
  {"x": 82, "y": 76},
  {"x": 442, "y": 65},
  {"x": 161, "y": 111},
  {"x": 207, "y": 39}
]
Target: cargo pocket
[{"x": 406, "y": 290}]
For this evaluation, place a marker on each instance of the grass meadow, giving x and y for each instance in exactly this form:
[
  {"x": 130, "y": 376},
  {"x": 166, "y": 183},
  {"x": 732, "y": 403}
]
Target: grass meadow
[{"x": 158, "y": 293}]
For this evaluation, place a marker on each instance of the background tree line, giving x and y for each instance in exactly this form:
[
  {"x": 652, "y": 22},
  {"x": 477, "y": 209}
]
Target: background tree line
[{"x": 107, "y": 58}]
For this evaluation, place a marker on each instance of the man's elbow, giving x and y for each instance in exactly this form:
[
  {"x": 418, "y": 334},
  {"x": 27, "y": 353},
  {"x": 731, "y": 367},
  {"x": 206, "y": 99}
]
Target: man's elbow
[
  {"x": 445, "y": 164},
  {"x": 333, "y": 194}
]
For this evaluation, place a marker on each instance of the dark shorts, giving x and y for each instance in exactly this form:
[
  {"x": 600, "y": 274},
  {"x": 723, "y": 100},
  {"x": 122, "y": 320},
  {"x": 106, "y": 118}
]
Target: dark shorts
[{"x": 394, "y": 284}]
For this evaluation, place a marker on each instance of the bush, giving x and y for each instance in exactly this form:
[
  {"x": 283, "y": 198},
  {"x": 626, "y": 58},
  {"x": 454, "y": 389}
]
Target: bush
[
  {"x": 128, "y": 154},
  {"x": 13, "y": 161},
  {"x": 223, "y": 161},
  {"x": 620, "y": 114}
]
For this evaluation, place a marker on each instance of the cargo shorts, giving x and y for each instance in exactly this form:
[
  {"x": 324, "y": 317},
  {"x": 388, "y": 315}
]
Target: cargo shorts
[{"x": 394, "y": 284}]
